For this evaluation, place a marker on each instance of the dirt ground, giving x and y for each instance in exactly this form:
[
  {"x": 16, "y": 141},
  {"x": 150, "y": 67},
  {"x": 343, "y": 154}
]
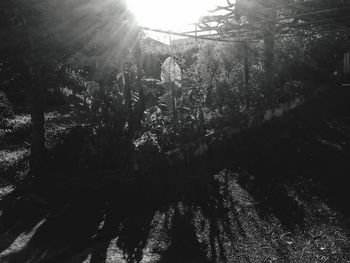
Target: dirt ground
[{"x": 279, "y": 195}]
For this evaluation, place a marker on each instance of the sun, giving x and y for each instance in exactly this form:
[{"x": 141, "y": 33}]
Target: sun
[{"x": 167, "y": 14}]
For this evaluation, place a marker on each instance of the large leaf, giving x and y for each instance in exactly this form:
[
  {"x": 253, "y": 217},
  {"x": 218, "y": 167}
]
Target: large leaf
[{"x": 171, "y": 72}]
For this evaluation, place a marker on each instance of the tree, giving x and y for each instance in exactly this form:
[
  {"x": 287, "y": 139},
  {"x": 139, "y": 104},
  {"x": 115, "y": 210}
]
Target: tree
[
  {"x": 269, "y": 19},
  {"x": 260, "y": 16},
  {"x": 209, "y": 63},
  {"x": 40, "y": 34}
]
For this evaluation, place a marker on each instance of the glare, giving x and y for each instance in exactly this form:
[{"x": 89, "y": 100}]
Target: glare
[{"x": 168, "y": 14}]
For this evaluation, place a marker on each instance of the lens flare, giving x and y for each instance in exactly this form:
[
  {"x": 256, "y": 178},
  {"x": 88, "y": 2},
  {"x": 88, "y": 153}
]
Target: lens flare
[{"x": 168, "y": 14}]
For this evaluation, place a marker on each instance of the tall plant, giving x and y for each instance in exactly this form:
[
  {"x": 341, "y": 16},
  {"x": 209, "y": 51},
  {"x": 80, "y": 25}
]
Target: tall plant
[{"x": 171, "y": 77}]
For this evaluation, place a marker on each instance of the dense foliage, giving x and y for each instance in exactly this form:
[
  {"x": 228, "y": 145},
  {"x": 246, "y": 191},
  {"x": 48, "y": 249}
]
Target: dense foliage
[{"x": 90, "y": 59}]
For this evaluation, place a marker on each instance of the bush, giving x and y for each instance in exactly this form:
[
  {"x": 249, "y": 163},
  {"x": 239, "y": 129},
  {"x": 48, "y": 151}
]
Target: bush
[
  {"x": 6, "y": 110},
  {"x": 67, "y": 152},
  {"x": 92, "y": 148},
  {"x": 147, "y": 153}
]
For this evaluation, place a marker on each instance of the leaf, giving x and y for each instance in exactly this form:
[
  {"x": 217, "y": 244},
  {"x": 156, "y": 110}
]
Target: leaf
[
  {"x": 171, "y": 72},
  {"x": 92, "y": 87},
  {"x": 135, "y": 97},
  {"x": 121, "y": 76},
  {"x": 168, "y": 101},
  {"x": 152, "y": 86}
]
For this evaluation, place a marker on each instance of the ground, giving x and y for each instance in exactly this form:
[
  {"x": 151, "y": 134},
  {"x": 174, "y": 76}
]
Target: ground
[{"x": 280, "y": 194}]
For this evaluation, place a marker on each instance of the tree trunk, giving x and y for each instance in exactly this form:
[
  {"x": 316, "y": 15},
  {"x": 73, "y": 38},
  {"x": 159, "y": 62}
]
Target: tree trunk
[{"x": 269, "y": 45}]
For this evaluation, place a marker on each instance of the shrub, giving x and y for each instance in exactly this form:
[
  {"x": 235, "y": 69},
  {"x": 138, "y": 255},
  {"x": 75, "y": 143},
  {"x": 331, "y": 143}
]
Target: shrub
[
  {"x": 147, "y": 153},
  {"x": 6, "y": 110}
]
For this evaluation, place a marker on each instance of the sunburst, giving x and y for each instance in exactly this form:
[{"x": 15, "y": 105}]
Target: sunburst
[{"x": 168, "y": 14}]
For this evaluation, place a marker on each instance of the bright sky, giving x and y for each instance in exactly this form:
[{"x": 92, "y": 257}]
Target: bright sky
[{"x": 170, "y": 14}]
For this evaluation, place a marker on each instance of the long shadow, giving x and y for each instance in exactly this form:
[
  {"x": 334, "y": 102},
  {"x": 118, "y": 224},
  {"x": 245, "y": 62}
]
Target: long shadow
[
  {"x": 85, "y": 225},
  {"x": 184, "y": 245},
  {"x": 60, "y": 233},
  {"x": 18, "y": 215}
]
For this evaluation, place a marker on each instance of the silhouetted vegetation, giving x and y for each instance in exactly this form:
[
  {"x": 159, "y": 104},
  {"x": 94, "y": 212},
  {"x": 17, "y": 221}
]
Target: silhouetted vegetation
[{"x": 115, "y": 147}]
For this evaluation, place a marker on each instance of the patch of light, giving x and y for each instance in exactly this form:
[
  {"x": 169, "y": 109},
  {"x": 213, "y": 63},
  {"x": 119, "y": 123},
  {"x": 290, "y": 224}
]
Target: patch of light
[
  {"x": 168, "y": 14},
  {"x": 21, "y": 241}
]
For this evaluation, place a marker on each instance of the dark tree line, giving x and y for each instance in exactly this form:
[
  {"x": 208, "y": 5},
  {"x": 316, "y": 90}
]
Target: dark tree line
[
  {"x": 99, "y": 43},
  {"x": 37, "y": 36}
]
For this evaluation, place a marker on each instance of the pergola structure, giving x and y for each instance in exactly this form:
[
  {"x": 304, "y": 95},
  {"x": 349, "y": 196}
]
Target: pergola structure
[
  {"x": 251, "y": 19},
  {"x": 244, "y": 21}
]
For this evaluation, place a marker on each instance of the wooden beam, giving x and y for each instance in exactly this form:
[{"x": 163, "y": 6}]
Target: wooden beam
[
  {"x": 317, "y": 22},
  {"x": 188, "y": 35},
  {"x": 319, "y": 12},
  {"x": 226, "y": 31}
]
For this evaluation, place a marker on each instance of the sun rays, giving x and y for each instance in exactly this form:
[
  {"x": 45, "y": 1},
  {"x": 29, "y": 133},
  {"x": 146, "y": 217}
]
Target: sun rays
[{"x": 168, "y": 14}]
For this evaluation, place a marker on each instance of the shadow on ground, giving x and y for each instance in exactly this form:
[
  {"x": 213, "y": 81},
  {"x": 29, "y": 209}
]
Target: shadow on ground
[{"x": 276, "y": 194}]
